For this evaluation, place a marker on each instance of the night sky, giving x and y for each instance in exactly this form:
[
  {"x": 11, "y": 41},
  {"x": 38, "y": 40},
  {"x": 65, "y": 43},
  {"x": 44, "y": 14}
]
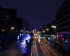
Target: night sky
[{"x": 37, "y": 12}]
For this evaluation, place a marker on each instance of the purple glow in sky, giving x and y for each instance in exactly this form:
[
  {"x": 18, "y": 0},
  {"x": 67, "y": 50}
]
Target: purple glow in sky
[{"x": 37, "y": 12}]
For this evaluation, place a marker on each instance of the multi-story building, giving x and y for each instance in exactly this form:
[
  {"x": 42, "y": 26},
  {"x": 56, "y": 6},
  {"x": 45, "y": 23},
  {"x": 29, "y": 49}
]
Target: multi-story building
[
  {"x": 7, "y": 16},
  {"x": 62, "y": 19},
  {"x": 7, "y": 28}
]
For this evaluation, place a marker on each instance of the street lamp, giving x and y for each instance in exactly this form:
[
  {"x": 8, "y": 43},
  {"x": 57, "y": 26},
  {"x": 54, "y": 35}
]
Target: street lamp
[
  {"x": 12, "y": 28},
  {"x": 33, "y": 31},
  {"x": 53, "y": 26},
  {"x": 2, "y": 30},
  {"x": 43, "y": 31},
  {"x": 27, "y": 31},
  {"x": 21, "y": 30},
  {"x": 47, "y": 29},
  {"x": 38, "y": 32}
]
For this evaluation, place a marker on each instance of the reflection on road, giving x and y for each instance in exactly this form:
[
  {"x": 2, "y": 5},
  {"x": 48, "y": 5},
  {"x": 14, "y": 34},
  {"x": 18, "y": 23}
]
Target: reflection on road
[
  {"x": 65, "y": 47},
  {"x": 43, "y": 48}
]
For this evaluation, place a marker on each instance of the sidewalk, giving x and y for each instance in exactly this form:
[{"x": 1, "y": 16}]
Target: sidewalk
[{"x": 14, "y": 50}]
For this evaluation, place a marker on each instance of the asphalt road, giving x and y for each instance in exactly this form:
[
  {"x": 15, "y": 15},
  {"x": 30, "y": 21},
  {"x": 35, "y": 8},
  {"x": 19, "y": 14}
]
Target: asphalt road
[{"x": 43, "y": 49}]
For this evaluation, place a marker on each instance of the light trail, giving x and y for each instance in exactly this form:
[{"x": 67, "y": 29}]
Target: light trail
[
  {"x": 54, "y": 50},
  {"x": 33, "y": 46},
  {"x": 45, "y": 49},
  {"x": 50, "y": 49},
  {"x": 36, "y": 48},
  {"x": 31, "y": 50}
]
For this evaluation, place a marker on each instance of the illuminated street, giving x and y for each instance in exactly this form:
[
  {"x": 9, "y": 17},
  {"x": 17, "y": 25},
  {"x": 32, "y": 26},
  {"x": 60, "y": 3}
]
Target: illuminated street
[
  {"x": 43, "y": 49},
  {"x": 34, "y": 27},
  {"x": 47, "y": 48}
]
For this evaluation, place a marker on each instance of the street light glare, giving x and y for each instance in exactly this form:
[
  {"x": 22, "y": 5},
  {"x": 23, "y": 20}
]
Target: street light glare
[
  {"x": 27, "y": 31},
  {"x": 38, "y": 32},
  {"x": 3, "y": 30},
  {"x": 43, "y": 31},
  {"x": 53, "y": 26},
  {"x": 12, "y": 28},
  {"x": 47, "y": 29},
  {"x": 21, "y": 30}
]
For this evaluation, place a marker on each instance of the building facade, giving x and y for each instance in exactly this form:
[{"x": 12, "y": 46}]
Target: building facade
[
  {"x": 7, "y": 29},
  {"x": 7, "y": 16},
  {"x": 62, "y": 19}
]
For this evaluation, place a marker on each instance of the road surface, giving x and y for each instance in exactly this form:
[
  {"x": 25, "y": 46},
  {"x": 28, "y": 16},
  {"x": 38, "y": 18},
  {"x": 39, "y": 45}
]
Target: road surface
[{"x": 43, "y": 49}]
